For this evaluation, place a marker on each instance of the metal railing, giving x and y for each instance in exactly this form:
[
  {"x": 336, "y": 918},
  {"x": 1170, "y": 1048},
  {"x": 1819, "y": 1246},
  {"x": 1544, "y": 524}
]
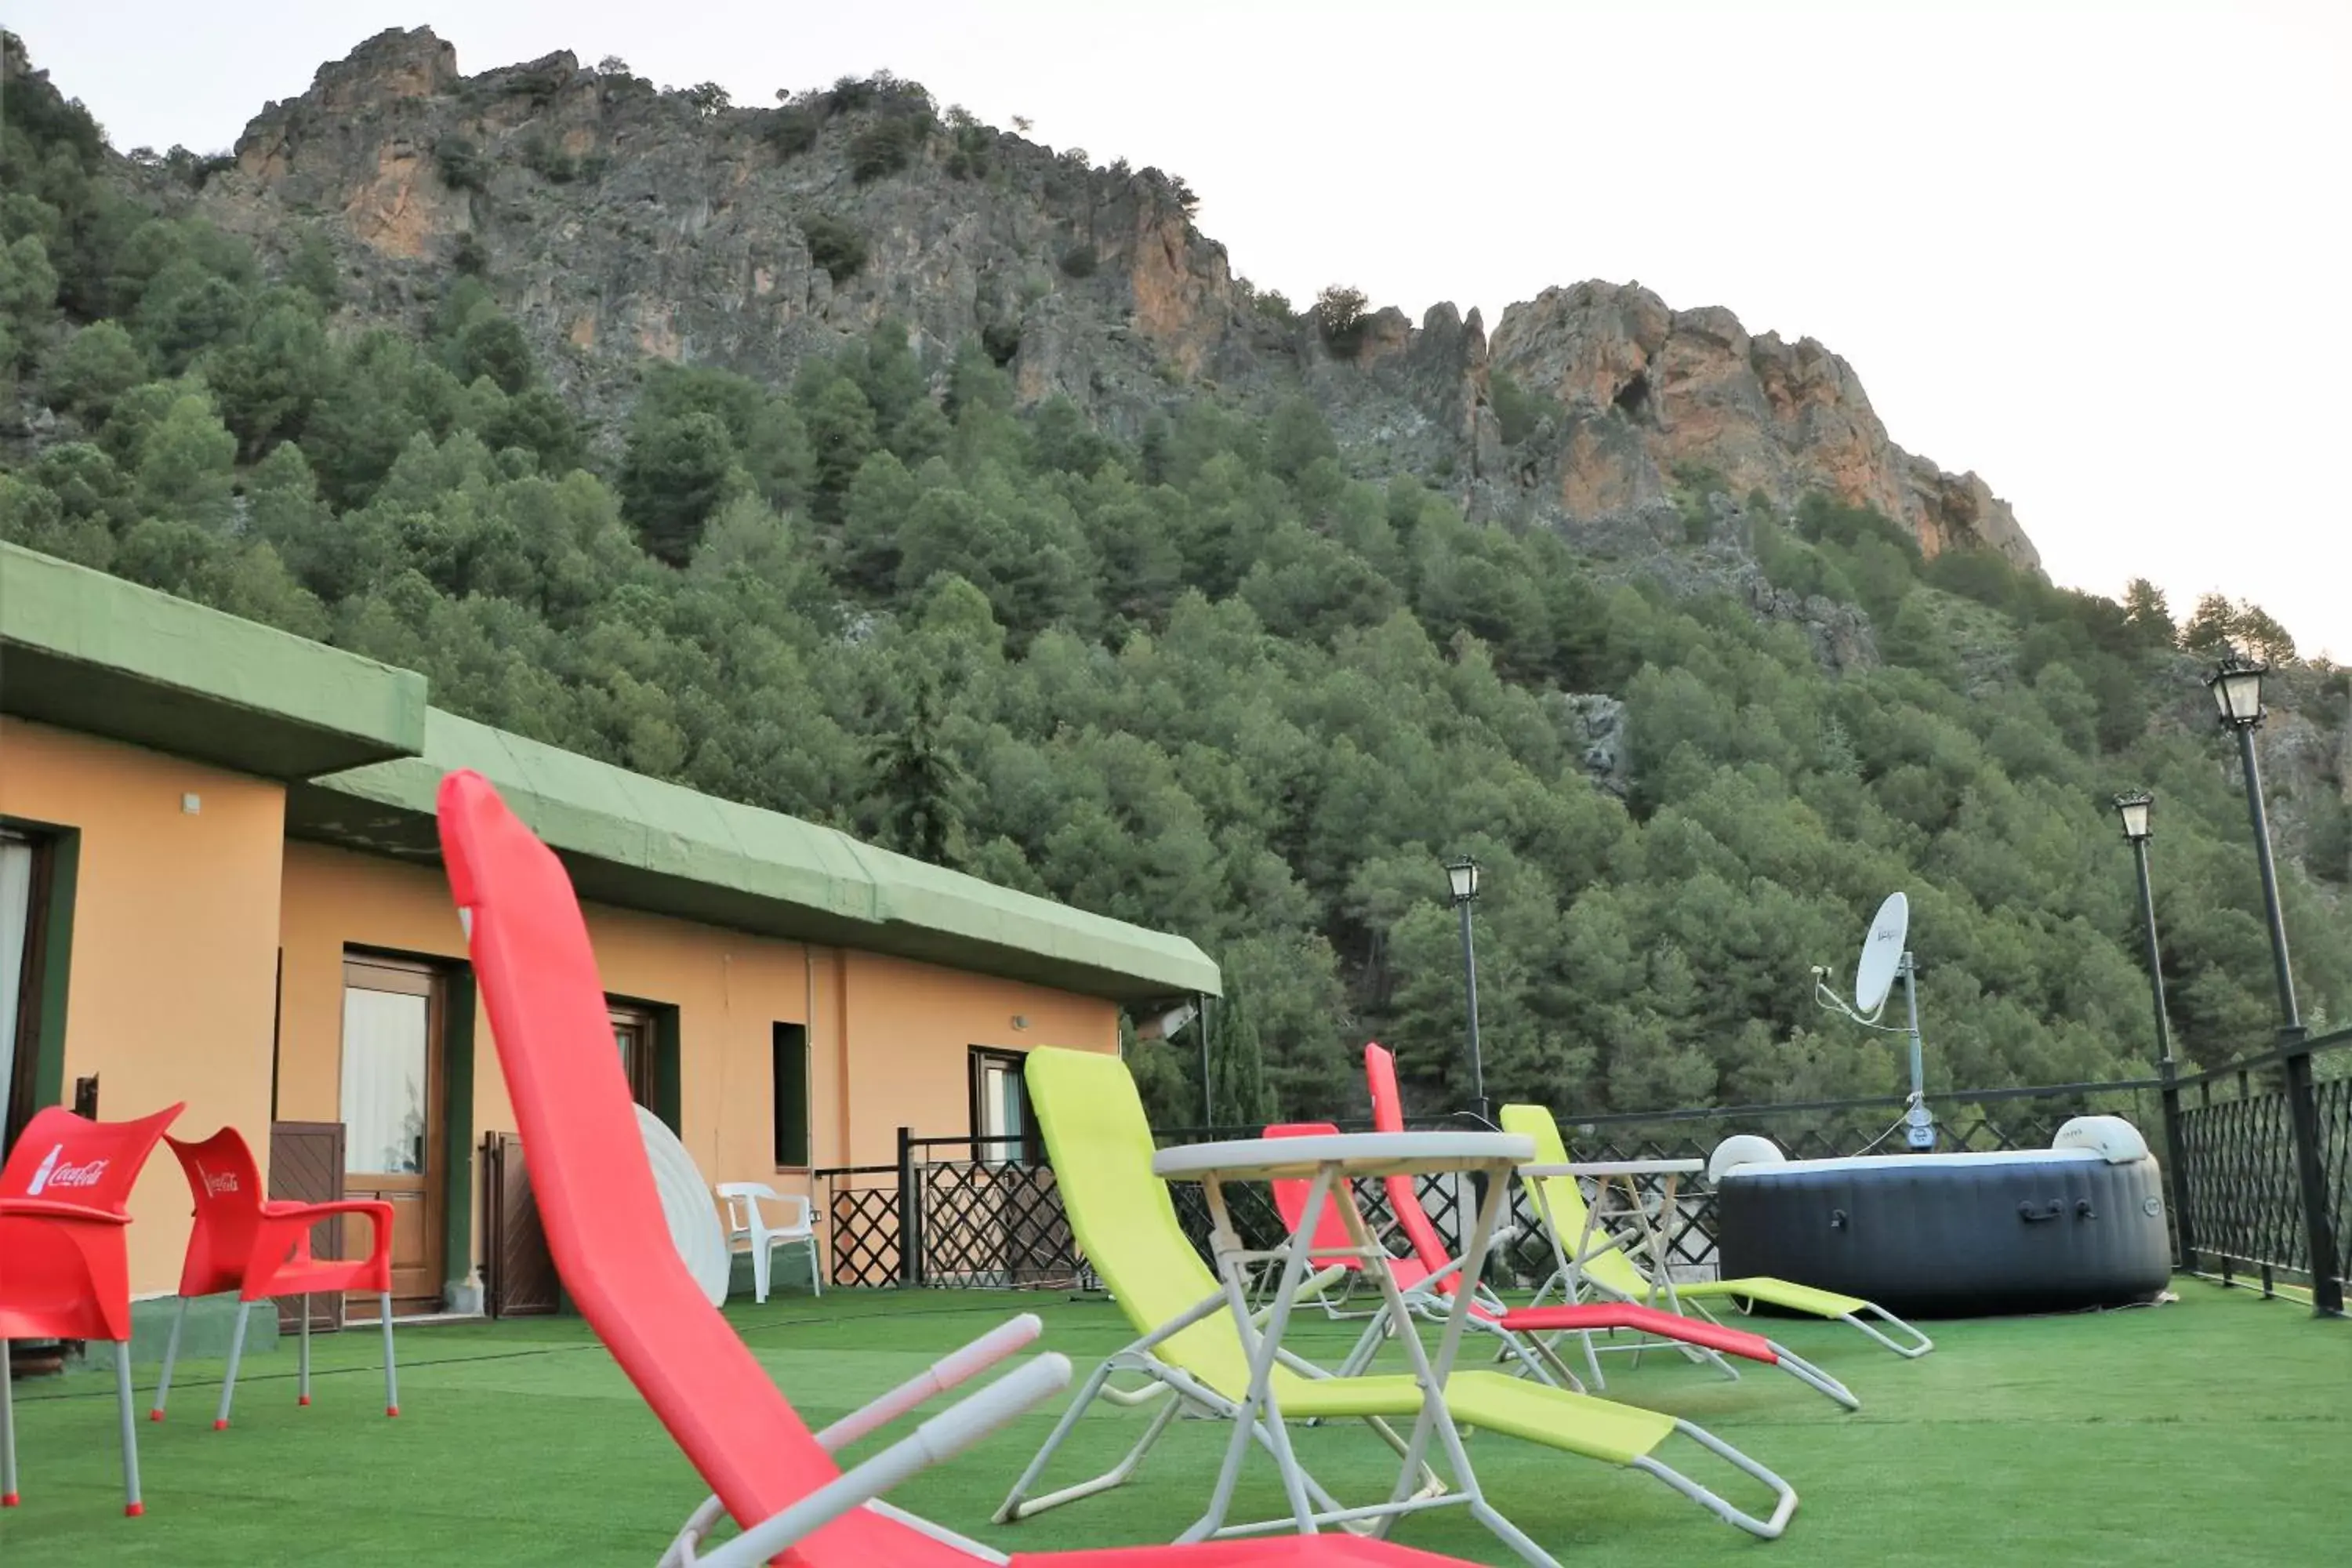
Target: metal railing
[
  {"x": 2242, "y": 1192},
  {"x": 987, "y": 1212}
]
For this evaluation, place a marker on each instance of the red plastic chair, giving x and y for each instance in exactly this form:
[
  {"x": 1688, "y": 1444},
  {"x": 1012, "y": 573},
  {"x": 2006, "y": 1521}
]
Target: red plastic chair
[
  {"x": 1432, "y": 1267},
  {"x": 603, "y": 1215},
  {"x": 65, "y": 1273},
  {"x": 246, "y": 1243}
]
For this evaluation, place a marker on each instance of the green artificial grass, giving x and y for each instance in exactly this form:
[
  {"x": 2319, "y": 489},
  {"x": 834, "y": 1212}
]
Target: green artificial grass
[{"x": 2214, "y": 1431}]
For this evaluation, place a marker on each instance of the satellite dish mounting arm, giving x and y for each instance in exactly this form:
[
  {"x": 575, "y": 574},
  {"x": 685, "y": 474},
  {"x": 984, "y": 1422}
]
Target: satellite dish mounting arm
[{"x": 1885, "y": 957}]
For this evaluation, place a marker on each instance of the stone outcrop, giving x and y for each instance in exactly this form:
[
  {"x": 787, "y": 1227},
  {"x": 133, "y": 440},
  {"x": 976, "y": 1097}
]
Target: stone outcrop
[
  {"x": 1646, "y": 393},
  {"x": 615, "y": 221}
]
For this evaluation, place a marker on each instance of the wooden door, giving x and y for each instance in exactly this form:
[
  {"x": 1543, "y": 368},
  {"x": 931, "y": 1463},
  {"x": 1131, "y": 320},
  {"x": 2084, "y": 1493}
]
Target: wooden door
[
  {"x": 306, "y": 1165},
  {"x": 393, "y": 1105},
  {"x": 520, "y": 1272}
]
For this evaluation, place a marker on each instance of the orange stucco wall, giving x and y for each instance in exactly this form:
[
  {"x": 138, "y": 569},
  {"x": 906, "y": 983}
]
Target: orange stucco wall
[
  {"x": 910, "y": 1029},
  {"x": 176, "y": 979},
  {"x": 175, "y": 946},
  {"x": 895, "y": 1053},
  {"x": 728, "y": 989}
]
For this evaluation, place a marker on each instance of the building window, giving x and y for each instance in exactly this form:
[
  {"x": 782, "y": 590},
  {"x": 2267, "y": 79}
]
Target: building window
[
  {"x": 790, "y": 1054},
  {"x": 633, "y": 1033},
  {"x": 21, "y": 904},
  {"x": 1004, "y": 1131}
]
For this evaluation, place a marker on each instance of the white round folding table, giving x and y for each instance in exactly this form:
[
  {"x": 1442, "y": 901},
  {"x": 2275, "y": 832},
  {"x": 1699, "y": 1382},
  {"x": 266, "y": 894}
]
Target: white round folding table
[{"x": 1331, "y": 1163}]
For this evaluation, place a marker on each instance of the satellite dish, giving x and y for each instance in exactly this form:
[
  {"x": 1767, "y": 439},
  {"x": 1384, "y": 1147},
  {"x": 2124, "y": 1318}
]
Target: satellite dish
[
  {"x": 694, "y": 1227},
  {"x": 1881, "y": 951}
]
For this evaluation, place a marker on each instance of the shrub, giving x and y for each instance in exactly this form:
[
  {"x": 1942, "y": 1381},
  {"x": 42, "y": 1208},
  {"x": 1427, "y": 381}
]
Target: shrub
[
  {"x": 1820, "y": 518},
  {"x": 1001, "y": 341},
  {"x": 460, "y": 163},
  {"x": 184, "y": 166},
  {"x": 1078, "y": 261},
  {"x": 885, "y": 147},
  {"x": 1695, "y": 485},
  {"x": 834, "y": 244},
  {"x": 546, "y": 158},
  {"x": 1340, "y": 317},
  {"x": 790, "y": 131},
  {"x": 1516, "y": 410},
  {"x": 969, "y": 144}
]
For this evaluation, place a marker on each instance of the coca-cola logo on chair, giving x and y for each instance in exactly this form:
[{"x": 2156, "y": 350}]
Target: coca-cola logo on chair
[
  {"x": 54, "y": 1172},
  {"x": 220, "y": 1184}
]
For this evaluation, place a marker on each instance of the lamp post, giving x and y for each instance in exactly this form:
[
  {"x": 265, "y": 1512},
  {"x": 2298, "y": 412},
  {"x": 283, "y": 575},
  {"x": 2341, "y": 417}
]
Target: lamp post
[
  {"x": 2237, "y": 687},
  {"x": 1462, "y": 877},
  {"x": 2135, "y": 811}
]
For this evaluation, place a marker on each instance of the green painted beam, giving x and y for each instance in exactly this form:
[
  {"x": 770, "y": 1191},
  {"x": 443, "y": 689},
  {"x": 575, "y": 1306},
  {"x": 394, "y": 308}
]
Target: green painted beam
[
  {"x": 642, "y": 844},
  {"x": 93, "y": 652}
]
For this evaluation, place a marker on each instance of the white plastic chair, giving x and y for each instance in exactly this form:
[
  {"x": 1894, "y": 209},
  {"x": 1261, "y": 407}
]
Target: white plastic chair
[{"x": 744, "y": 1223}]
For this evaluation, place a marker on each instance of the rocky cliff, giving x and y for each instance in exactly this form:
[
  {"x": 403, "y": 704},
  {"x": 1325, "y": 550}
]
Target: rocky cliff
[
  {"x": 1645, "y": 391},
  {"x": 616, "y": 221}
]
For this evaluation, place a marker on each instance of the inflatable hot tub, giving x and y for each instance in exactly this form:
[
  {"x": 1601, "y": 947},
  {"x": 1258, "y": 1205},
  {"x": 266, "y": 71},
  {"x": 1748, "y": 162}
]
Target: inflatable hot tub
[{"x": 2024, "y": 1230}]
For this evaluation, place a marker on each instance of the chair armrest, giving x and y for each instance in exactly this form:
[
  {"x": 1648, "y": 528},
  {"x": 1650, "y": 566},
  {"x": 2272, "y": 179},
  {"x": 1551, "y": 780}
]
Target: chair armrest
[
  {"x": 950, "y": 1372},
  {"x": 285, "y": 1225},
  {"x": 58, "y": 1208},
  {"x": 309, "y": 1212},
  {"x": 943, "y": 1436}
]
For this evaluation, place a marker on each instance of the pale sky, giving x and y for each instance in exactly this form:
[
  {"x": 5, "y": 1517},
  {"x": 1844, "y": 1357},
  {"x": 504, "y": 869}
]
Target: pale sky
[{"x": 2095, "y": 252}]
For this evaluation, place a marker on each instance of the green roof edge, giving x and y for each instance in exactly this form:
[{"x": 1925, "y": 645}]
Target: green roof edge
[
  {"x": 608, "y": 814},
  {"x": 76, "y": 617},
  {"x": 111, "y": 657}
]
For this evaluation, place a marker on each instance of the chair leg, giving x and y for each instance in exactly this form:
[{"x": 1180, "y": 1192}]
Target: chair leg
[
  {"x": 760, "y": 1256},
  {"x": 305, "y": 1362},
  {"x": 132, "y": 1505},
  {"x": 7, "y": 1434},
  {"x": 816, "y": 1271},
  {"x": 171, "y": 1354},
  {"x": 236, "y": 1355},
  {"x": 390, "y": 1375}
]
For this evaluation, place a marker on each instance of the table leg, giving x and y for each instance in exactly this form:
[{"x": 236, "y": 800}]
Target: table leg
[
  {"x": 1584, "y": 1247},
  {"x": 1259, "y": 1412},
  {"x": 1431, "y": 1373},
  {"x": 1659, "y": 1270}
]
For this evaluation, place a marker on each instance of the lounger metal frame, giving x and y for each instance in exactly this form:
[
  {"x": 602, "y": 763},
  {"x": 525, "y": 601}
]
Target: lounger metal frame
[
  {"x": 1258, "y": 1419},
  {"x": 1570, "y": 1279}
]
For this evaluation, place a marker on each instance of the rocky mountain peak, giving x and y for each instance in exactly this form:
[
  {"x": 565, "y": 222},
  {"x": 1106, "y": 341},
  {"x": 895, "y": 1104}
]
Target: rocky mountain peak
[
  {"x": 1648, "y": 396},
  {"x": 614, "y": 221}
]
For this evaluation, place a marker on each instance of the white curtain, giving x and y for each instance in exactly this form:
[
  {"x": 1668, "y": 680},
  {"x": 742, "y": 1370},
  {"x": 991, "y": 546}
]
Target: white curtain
[
  {"x": 15, "y": 919},
  {"x": 384, "y": 1082}
]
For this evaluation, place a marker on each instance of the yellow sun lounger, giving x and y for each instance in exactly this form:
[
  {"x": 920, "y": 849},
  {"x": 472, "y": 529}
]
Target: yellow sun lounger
[
  {"x": 1609, "y": 1272},
  {"x": 1125, "y": 1223}
]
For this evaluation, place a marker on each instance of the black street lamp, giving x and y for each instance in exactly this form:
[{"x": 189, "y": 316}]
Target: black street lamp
[
  {"x": 1462, "y": 878},
  {"x": 2135, "y": 810},
  {"x": 2237, "y": 685}
]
